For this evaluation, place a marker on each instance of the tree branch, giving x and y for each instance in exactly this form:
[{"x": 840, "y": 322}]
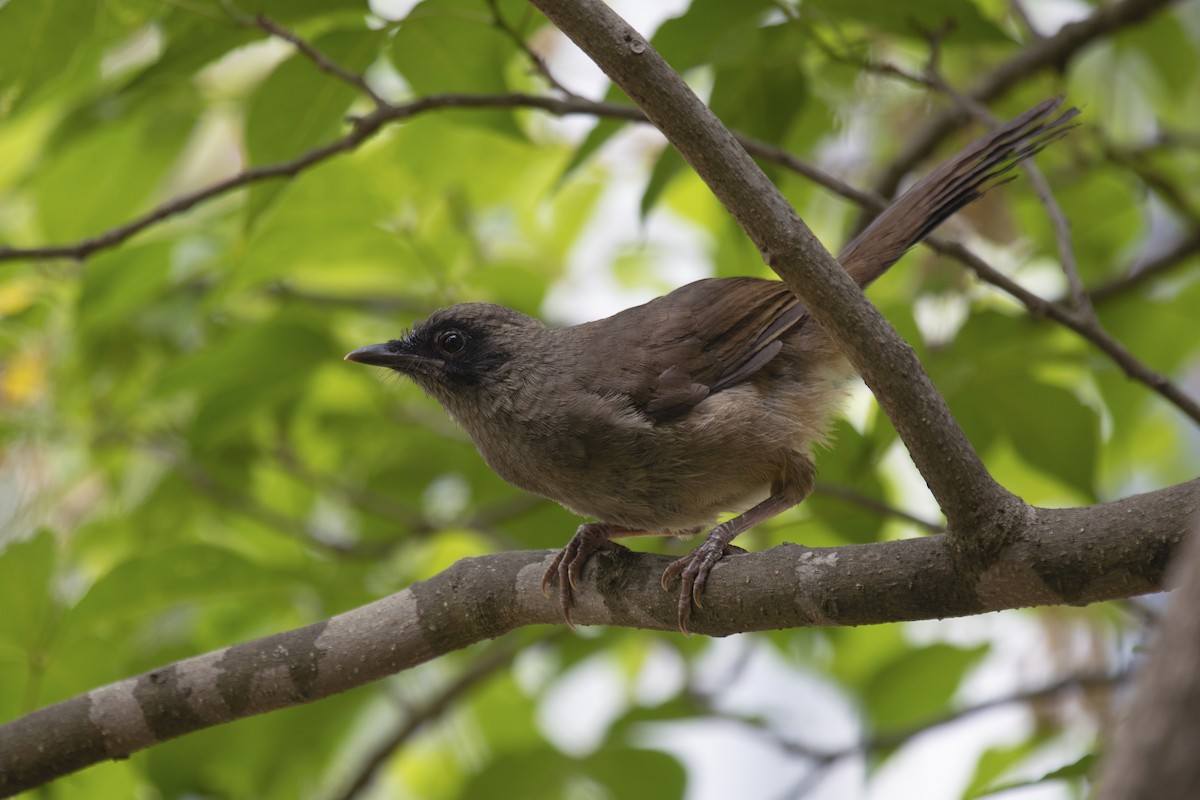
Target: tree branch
[{"x": 1075, "y": 556}]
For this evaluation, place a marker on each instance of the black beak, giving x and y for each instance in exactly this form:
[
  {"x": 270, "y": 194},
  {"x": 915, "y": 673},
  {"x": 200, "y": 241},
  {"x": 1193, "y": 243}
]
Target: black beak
[{"x": 389, "y": 354}]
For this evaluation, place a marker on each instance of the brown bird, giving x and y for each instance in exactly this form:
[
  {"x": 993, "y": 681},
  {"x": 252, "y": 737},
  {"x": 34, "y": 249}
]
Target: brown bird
[{"x": 709, "y": 399}]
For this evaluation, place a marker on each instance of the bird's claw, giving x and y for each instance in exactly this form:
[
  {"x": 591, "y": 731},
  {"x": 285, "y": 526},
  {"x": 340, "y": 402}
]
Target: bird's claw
[
  {"x": 567, "y": 566},
  {"x": 692, "y": 571}
]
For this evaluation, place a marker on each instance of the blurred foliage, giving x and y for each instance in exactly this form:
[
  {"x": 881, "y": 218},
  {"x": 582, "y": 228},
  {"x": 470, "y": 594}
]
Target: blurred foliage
[{"x": 186, "y": 462}]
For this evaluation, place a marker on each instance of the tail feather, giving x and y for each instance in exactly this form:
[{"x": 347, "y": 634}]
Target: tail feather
[{"x": 978, "y": 167}]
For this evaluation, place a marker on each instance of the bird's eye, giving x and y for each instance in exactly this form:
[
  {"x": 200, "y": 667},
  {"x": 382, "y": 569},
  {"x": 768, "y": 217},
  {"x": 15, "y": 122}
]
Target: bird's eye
[{"x": 451, "y": 342}]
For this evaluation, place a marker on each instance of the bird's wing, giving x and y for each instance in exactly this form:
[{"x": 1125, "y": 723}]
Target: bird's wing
[{"x": 670, "y": 354}]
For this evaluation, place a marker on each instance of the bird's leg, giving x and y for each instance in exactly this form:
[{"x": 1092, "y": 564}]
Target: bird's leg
[
  {"x": 692, "y": 570},
  {"x": 591, "y": 538}
]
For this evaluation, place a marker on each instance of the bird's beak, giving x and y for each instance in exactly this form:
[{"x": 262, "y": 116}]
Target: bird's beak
[{"x": 390, "y": 355}]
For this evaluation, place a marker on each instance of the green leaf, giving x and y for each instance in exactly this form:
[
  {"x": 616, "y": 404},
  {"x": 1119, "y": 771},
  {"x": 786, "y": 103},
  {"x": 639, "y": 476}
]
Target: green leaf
[
  {"x": 452, "y": 46},
  {"x": 42, "y": 43},
  {"x": 119, "y": 283},
  {"x": 147, "y": 586},
  {"x": 1162, "y": 42},
  {"x": 1049, "y": 428},
  {"x": 298, "y": 107},
  {"x": 694, "y": 38},
  {"x": 630, "y": 773},
  {"x": 761, "y": 86},
  {"x": 962, "y": 20},
  {"x": 625, "y": 772},
  {"x": 293, "y": 11},
  {"x": 995, "y": 762},
  {"x": 849, "y": 463},
  {"x": 702, "y": 34},
  {"x": 26, "y": 569},
  {"x": 601, "y": 132},
  {"x": 916, "y": 685},
  {"x": 26, "y": 572},
  {"x": 251, "y": 372},
  {"x": 668, "y": 165},
  {"x": 991, "y": 377},
  {"x": 103, "y": 176},
  {"x": 539, "y": 772},
  {"x": 505, "y": 715},
  {"x": 1079, "y": 769}
]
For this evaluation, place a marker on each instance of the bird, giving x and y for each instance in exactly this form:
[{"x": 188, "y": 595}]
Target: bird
[{"x": 707, "y": 400}]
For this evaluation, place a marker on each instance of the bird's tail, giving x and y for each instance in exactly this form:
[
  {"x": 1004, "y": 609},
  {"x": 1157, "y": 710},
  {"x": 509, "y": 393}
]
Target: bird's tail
[{"x": 954, "y": 184}]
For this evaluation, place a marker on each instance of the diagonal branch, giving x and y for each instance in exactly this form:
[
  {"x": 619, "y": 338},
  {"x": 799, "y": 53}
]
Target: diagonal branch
[{"x": 1086, "y": 328}]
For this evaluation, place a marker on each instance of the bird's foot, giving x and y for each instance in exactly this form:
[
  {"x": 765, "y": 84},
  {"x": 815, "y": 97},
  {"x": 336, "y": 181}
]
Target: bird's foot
[
  {"x": 692, "y": 571},
  {"x": 591, "y": 538}
]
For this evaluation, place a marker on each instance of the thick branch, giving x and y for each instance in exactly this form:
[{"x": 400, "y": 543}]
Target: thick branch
[
  {"x": 954, "y": 472},
  {"x": 1074, "y": 556}
]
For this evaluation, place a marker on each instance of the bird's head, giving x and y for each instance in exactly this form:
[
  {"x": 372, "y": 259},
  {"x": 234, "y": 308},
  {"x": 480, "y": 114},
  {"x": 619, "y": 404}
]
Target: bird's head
[{"x": 460, "y": 355}]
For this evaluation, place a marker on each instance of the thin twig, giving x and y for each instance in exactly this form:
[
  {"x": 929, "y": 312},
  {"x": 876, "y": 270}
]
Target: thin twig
[
  {"x": 1081, "y": 318},
  {"x": 539, "y": 64},
  {"x": 856, "y": 498},
  {"x": 1041, "y": 187},
  {"x": 1051, "y": 52},
  {"x": 498, "y": 657},
  {"x": 1177, "y": 256},
  {"x": 1091, "y": 332},
  {"x": 893, "y": 739},
  {"x": 363, "y": 128},
  {"x": 1022, "y": 16},
  {"x": 318, "y": 58}
]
